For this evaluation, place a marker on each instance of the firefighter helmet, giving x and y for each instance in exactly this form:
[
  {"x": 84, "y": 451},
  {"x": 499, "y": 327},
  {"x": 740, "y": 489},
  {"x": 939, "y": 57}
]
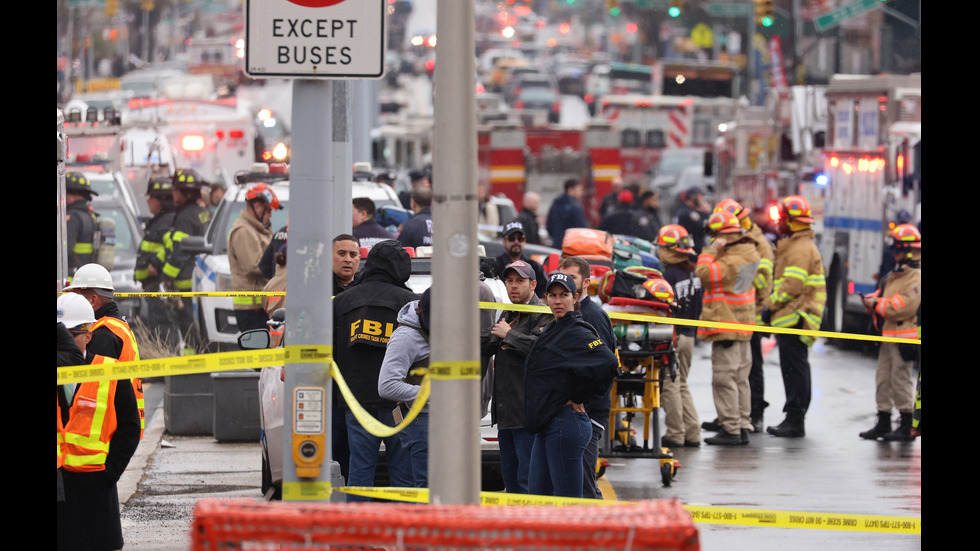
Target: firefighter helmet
[
  {"x": 675, "y": 236},
  {"x": 75, "y": 312},
  {"x": 263, "y": 192},
  {"x": 91, "y": 276},
  {"x": 906, "y": 236},
  {"x": 796, "y": 208},
  {"x": 160, "y": 186},
  {"x": 724, "y": 222},
  {"x": 733, "y": 207},
  {"x": 660, "y": 289},
  {"x": 188, "y": 179},
  {"x": 77, "y": 182}
]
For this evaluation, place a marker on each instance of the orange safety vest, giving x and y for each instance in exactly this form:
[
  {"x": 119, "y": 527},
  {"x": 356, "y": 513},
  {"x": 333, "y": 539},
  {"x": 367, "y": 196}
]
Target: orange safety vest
[
  {"x": 61, "y": 437},
  {"x": 84, "y": 443},
  {"x": 130, "y": 353}
]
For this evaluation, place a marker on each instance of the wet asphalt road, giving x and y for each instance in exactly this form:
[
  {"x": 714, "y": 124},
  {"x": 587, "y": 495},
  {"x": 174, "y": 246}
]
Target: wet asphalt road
[{"x": 830, "y": 471}]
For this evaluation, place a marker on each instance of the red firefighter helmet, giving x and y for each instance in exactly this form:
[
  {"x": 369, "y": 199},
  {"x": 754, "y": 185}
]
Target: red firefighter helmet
[
  {"x": 797, "y": 208},
  {"x": 733, "y": 207},
  {"x": 264, "y": 192},
  {"x": 675, "y": 236},
  {"x": 907, "y": 236},
  {"x": 724, "y": 222},
  {"x": 660, "y": 289}
]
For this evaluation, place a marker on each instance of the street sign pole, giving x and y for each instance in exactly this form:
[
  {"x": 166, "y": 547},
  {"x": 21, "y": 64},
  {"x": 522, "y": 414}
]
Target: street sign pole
[{"x": 321, "y": 44}]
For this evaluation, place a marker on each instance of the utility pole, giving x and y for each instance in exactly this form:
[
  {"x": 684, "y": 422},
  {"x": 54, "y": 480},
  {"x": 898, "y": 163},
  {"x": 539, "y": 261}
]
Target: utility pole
[{"x": 454, "y": 436}]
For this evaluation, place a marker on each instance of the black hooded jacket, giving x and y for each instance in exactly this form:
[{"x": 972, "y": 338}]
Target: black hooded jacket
[
  {"x": 569, "y": 361},
  {"x": 364, "y": 317}
]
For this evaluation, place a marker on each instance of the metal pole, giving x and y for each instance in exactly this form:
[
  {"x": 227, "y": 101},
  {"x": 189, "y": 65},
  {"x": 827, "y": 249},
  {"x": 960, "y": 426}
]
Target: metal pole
[
  {"x": 365, "y": 109},
  {"x": 309, "y": 317},
  {"x": 343, "y": 163},
  {"x": 454, "y": 439}
]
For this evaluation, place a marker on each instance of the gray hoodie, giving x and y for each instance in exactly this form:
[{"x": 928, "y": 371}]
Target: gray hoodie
[{"x": 406, "y": 346}]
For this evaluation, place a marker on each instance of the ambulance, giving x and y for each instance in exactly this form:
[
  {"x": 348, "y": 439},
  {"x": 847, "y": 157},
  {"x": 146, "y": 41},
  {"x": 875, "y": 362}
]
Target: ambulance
[{"x": 872, "y": 169}]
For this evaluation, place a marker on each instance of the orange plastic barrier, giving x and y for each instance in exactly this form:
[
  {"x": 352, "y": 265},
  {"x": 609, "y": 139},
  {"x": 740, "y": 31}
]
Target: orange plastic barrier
[{"x": 250, "y": 524}]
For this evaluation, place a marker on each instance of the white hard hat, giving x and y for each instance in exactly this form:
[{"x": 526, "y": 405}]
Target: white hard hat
[
  {"x": 91, "y": 276},
  {"x": 74, "y": 310}
]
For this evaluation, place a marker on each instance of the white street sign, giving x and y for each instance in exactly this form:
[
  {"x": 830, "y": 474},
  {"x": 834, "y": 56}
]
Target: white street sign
[{"x": 339, "y": 39}]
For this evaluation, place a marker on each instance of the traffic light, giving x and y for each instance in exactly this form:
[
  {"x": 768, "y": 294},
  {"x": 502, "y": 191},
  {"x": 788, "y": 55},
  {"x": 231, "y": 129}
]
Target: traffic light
[
  {"x": 765, "y": 13},
  {"x": 612, "y": 7},
  {"x": 676, "y": 7}
]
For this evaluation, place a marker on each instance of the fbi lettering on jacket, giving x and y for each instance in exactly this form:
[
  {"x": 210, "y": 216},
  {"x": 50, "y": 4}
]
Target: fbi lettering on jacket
[{"x": 366, "y": 331}]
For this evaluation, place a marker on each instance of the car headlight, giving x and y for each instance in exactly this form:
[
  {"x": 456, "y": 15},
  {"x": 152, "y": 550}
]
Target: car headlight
[{"x": 280, "y": 152}]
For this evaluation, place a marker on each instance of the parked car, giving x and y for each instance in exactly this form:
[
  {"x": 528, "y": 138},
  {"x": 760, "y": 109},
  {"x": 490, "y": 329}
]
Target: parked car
[{"x": 544, "y": 99}]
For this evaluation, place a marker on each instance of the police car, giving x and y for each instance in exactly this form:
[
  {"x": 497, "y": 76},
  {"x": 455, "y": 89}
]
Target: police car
[{"x": 212, "y": 272}]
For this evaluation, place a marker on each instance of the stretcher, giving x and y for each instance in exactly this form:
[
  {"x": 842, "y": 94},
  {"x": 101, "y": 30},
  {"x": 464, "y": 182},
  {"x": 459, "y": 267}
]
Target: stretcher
[{"x": 647, "y": 356}]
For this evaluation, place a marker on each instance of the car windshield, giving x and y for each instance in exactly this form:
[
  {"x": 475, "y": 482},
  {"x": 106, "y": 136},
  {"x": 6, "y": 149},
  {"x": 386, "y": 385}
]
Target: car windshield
[
  {"x": 126, "y": 240},
  {"x": 106, "y": 187},
  {"x": 537, "y": 94}
]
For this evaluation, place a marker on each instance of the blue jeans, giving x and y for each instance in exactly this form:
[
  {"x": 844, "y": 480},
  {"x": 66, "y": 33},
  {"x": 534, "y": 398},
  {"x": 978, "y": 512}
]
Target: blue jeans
[
  {"x": 416, "y": 442},
  {"x": 364, "y": 448},
  {"x": 557, "y": 455},
  {"x": 590, "y": 488},
  {"x": 515, "y": 458}
]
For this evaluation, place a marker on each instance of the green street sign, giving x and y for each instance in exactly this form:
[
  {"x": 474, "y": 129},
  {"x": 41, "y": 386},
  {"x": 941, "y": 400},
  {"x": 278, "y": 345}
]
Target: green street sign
[
  {"x": 834, "y": 17},
  {"x": 730, "y": 10}
]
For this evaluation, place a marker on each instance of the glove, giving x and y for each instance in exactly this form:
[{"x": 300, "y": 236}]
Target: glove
[{"x": 766, "y": 316}]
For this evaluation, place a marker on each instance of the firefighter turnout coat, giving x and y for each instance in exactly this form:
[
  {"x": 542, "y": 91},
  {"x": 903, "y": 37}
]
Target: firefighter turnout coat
[
  {"x": 247, "y": 242},
  {"x": 799, "y": 290},
  {"x": 152, "y": 250},
  {"x": 763, "y": 278},
  {"x": 899, "y": 303},
  {"x": 728, "y": 279},
  {"x": 190, "y": 218}
]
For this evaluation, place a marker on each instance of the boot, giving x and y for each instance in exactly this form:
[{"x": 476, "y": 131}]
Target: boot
[
  {"x": 726, "y": 439},
  {"x": 756, "y": 421},
  {"x": 904, "y": 431},
  {"x": 787, "y": 429},
  {"x": 712, "y": 426},
  {"x": 882, "y": 428}
]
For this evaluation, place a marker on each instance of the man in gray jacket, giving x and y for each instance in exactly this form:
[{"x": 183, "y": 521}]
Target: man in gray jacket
[
  {"x": 510, "y": 341},
  {"x": 408, "y": 348}
]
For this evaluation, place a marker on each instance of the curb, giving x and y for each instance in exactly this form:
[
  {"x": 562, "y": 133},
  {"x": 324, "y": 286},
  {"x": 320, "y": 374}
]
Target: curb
[{"x": 130, "y": 479}]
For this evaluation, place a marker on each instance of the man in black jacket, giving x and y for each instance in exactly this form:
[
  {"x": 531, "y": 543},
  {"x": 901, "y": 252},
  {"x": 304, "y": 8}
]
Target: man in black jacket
[
  {"x": 150, "y": 259},
  {"x": 510, "y": 340},
  {"x": 365, "y": 224},
  {"x": 598, "y": 408},
  {"x": 513, "y": 238},
  {"x": 364, "y": 317}
]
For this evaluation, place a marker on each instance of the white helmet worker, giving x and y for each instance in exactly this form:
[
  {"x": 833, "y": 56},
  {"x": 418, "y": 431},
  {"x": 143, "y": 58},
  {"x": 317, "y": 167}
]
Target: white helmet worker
[
  {"x": 75, "y": 312},
  {"x": 92, "y": 276}
]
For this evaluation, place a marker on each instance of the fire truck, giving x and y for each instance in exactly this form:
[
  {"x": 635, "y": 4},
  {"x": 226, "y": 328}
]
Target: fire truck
[
  {"x": 647, "y": 125},
  {"x": 514, "y": 159},
  {"x": 214, "y": 137},
  {"x": 872, "y": 165}
]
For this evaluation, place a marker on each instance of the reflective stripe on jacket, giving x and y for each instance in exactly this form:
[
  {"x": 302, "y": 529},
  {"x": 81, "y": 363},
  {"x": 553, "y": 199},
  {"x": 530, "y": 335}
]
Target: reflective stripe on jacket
[
  {"x": 130, "y": 353},
  {"x": 729, "y": 289},
  {"x": 763, "y": 278},
  {"x": 799, "y": 289},
  {"x": 899, "y": 303},
  {"x": 91, "y": 424}
]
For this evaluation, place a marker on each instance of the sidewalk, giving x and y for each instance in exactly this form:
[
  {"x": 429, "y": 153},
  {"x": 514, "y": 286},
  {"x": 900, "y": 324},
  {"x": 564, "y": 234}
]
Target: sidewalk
[{"x": 169, "y": 474}]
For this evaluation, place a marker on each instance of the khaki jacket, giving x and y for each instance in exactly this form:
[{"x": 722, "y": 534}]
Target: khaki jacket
[
  {"x": 727, "y": 277},
  {"x": 899, "y": 303},
  {"x": 247, "y": 241},
  {"x": 799, "y": 291},
  {"x": 763, "y": 278}
]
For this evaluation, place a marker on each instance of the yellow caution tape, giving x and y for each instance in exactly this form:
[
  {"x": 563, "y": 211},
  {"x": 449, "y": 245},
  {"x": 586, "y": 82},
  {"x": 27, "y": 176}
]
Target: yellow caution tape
[
  {"x": 701, "y": 514},
  {"x": 798, "y": 519},
  {"x": 467, "y": 369},
  {"x": 306, "y": 490},
  {"x": 368, "y": 421},
  {"x": 179, "y": 365},
  {"x": 308, "y": 353},
  {"x": 625, "y": 316}
]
